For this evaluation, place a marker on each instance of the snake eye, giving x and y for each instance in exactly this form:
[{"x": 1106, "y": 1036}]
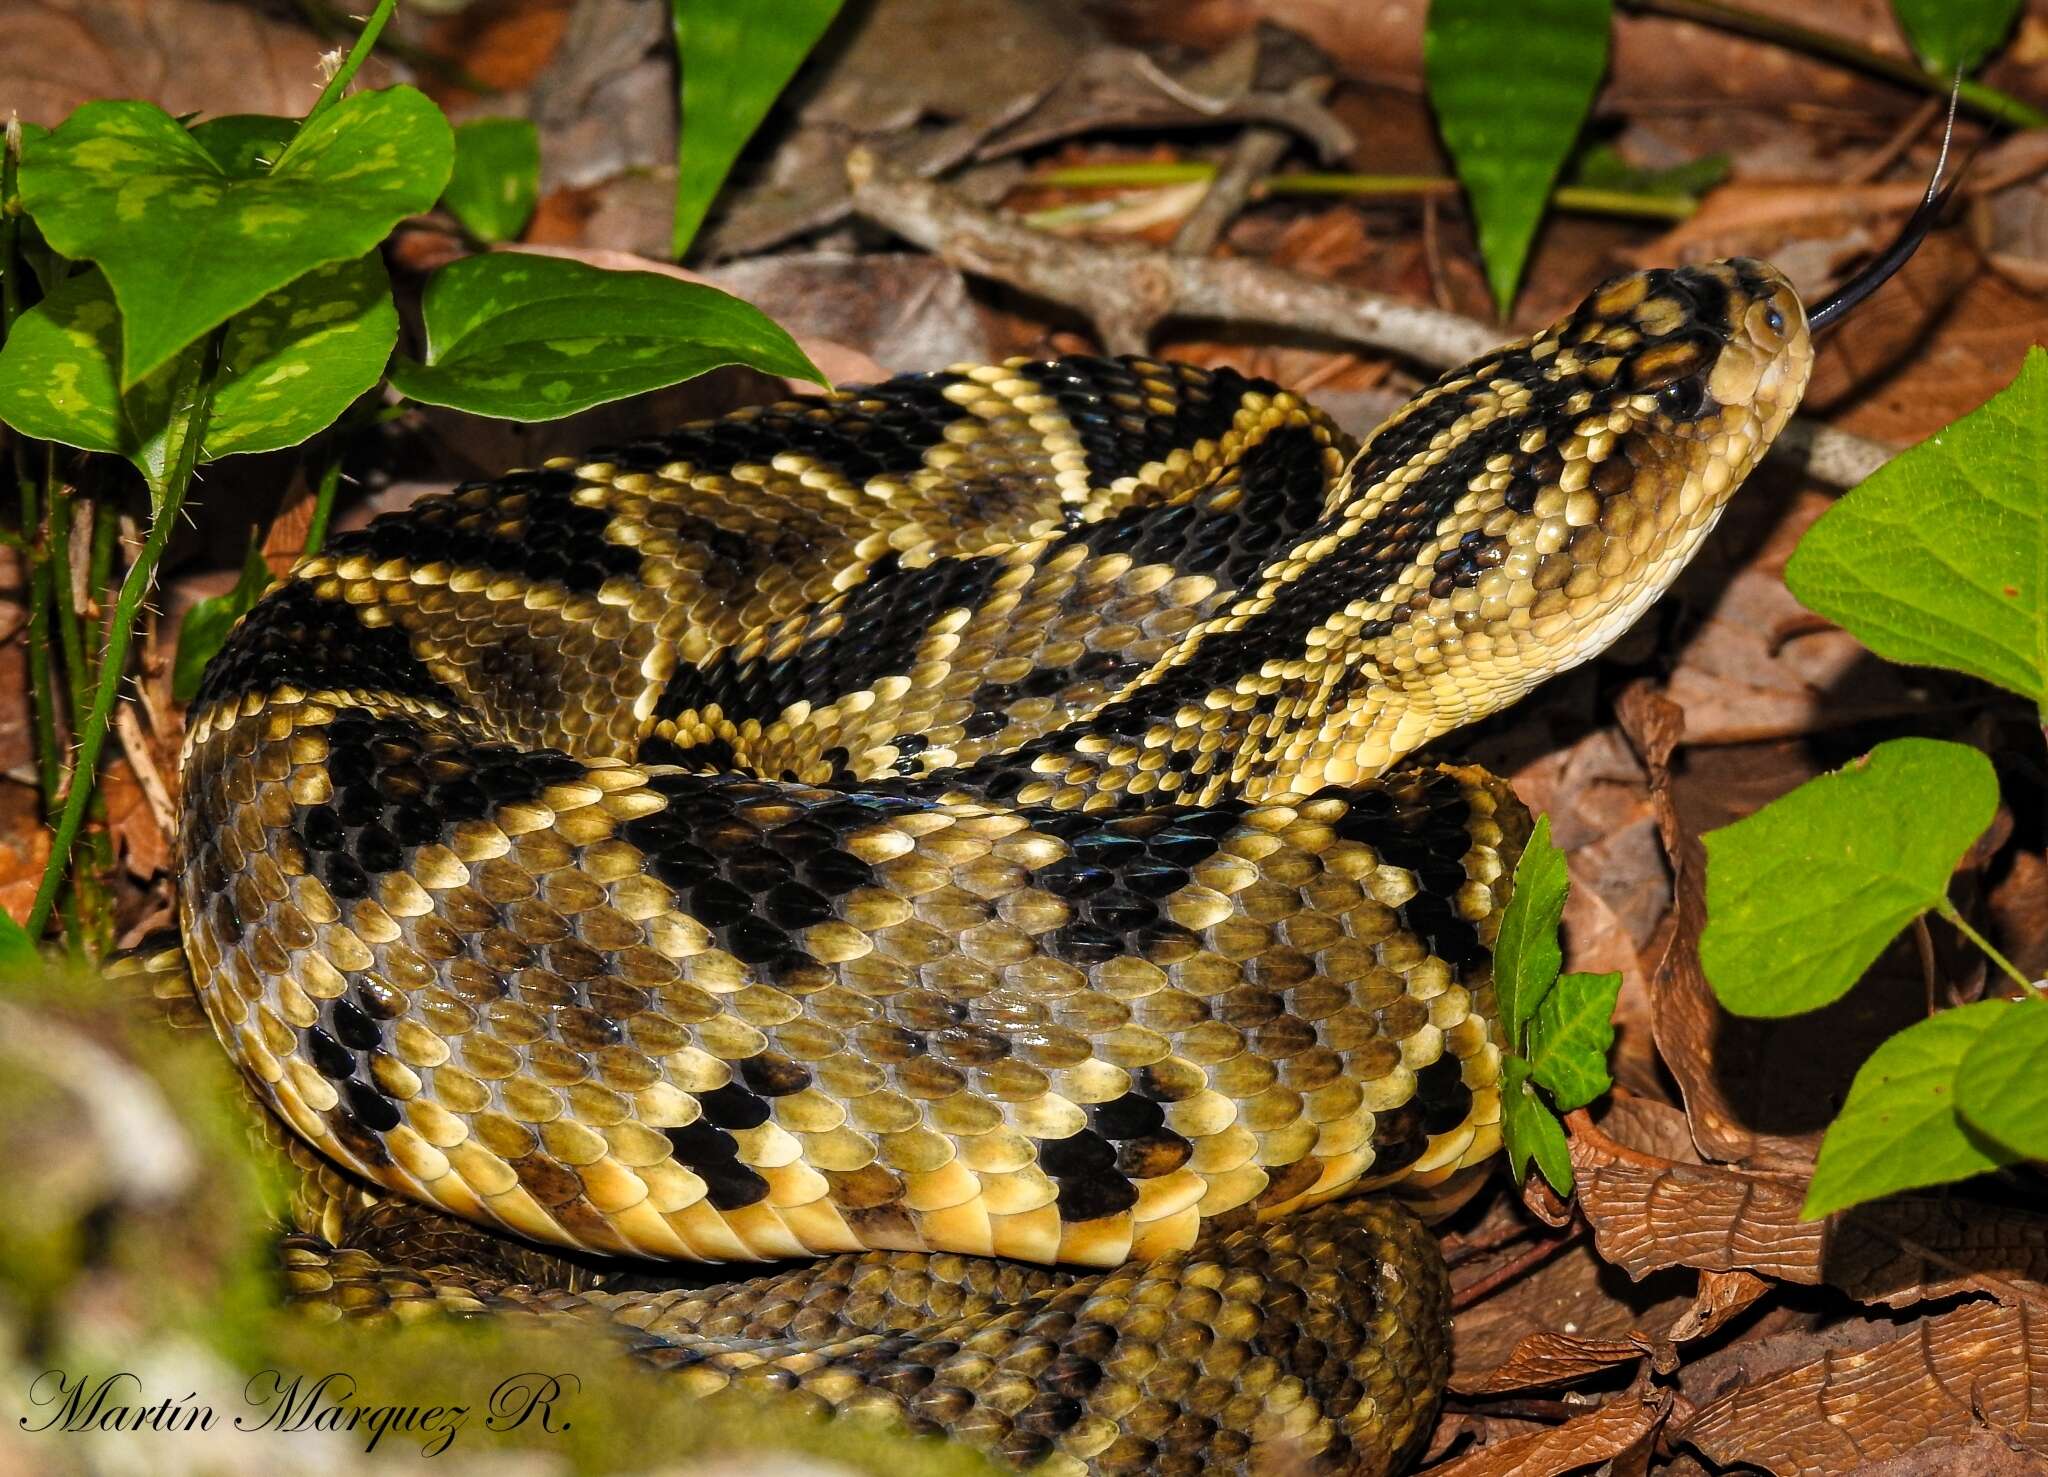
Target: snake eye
[
  {"x": 1774, "y": 320},
  {"x": 1683, "y": 399}
]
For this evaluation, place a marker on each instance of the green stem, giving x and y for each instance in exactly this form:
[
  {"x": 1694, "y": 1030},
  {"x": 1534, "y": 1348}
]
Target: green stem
[
  {"x": 323, "y": 507},
  {"x": 1987, "y": 102},
  {"x": 141, "y": 574},
  {"x": 1313, "y": 182},
  {"x": 1961, "y": 925},
  {"x": 357, "y": 55}
]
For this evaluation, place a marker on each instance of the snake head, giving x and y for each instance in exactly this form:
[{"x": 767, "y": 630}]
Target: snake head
[{"x": 1523, "y": 512}]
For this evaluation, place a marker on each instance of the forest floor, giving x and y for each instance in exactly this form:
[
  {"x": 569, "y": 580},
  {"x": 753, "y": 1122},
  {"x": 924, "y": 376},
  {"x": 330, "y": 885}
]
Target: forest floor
[{"x": 1679, "y": 1313}]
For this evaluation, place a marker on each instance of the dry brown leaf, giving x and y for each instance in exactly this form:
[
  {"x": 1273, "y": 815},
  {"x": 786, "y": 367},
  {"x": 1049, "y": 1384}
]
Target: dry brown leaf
[
  {"x": 1948, "y": 1379},
  {"x": 138, "y": 839},
  {"x": 1894, "y": 1253},
  {"x": 1617, "y": 1426},
  {"x": 1722, "y": 1298},
  {"x": 24, "y": 848},
  {"x": 187, "y": 56},
  {"x": 1894, "y": 324},
  {"x": 1517, "y": 1338},
  {"x": 1685, "y": 1010}
]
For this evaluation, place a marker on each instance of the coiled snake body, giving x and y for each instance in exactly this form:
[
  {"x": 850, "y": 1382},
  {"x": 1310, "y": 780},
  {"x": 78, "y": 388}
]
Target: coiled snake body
[{"x": 953, "y": 828}]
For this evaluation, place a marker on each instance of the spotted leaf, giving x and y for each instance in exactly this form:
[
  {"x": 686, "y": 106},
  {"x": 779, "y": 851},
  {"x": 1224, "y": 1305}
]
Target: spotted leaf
[
  {"x": 530, "y": 337},
  {"x": 187, "y": 242}
]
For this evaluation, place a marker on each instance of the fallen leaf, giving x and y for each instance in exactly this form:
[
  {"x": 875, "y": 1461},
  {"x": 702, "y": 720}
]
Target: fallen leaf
[
  {"x": 1621, "y": 1423},
  {"x": 138, "y": 839},
  {"x": 187, "y": 56},
  {"x": 1945, "y": 1380}
]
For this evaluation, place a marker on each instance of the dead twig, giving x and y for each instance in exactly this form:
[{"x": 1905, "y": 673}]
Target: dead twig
[
  {"x": 148, "y": 776},
  {"x": 1251, "y": 158},
  {"x": 1126, "y": 292}
]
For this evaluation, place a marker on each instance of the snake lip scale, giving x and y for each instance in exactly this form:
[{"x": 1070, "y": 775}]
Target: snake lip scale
[{"x": 959, "y": 832}]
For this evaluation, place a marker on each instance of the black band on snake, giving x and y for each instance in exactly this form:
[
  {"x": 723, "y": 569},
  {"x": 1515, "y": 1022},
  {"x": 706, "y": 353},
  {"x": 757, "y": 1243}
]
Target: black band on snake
[{"x": 958, "y": 829}]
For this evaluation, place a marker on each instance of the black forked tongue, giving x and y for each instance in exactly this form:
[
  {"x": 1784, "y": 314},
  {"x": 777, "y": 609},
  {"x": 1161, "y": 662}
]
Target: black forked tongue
[{"x": 1911, "y": 234}]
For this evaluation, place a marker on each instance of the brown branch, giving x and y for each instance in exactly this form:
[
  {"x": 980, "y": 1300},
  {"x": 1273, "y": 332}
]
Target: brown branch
[
  {"x": 1251, "y": 158},
  {"x": 1126, "y": 292}
]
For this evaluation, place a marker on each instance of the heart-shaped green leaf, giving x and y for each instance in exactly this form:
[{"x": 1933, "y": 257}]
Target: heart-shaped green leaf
[
  {"x": 2002, "y": 1085},
  {"x": 528, "y": 337},
  {"x": 1899, "y": 1128},
  {"x": 497, "y": 177},
  {"x": 186, "y": 244},
  {"x": 58, "y": 381},
  {"x": 289, "y": 365},
  {"x": 246, "y": 145},
  {"x": 1804, "y": 895},
  {"x": 297, "y": 359},
  {"x": 1940, "y": 558}
]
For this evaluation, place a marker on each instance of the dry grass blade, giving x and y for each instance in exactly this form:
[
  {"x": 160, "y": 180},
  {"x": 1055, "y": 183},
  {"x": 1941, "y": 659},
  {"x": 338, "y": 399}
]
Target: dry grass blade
[{"x": 1947, "y": 1379}]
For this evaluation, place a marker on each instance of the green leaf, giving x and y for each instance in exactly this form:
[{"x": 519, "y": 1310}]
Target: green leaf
[
  {"x": 527, "y": 337},
  {"x": 208, "y": 622},
  {"x": 496, "y": 182},
  {"x": 736, "y": 59},
  {"x": 1602, "y": 168},
  {"x": 1571, "y": 1035},
  {"x": 18, "y": 957},
  {"x": 58, "y": 381},
  {"x": 246, "y": 145},
  {"x": 289, "y": 366},
  {"x": 1940, "y": 558},
  {"x": 1955, "y": 35},
  {"x": 1899, "y": 1128},
  {"x": 1511, "y": 85},
  {"x": 1530, "y": 1130},
  {"x": 1804, "y": 895},
  {"x": 1526, "y": 957},
  {"x": 296, "y": 360},
  {"x": 186, "y": 244},
  {"x": 2002, "y": 1085}
]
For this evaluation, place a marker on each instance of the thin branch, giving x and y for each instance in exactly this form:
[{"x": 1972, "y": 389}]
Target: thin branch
[
  {"x": 1128, "y": 291},
  {"x": 1985, "y": 101},
  {"x": 1256, "y": 151}
]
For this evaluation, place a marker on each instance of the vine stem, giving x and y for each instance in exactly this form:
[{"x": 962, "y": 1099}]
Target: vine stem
[
  {"x": 1987, "y": 102},
  {"x": 357, "y": 55},
  {"x": 1961, "y": 925},
  {"x": 141, "y": 574}
]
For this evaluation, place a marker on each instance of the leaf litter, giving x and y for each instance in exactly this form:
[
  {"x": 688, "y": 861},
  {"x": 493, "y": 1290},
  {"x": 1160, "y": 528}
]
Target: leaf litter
[{"x": 1685, "y": 1310}]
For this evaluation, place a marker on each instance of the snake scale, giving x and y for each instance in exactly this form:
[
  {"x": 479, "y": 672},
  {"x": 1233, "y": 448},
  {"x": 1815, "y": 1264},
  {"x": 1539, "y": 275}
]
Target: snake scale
[{"x": 957, "y": 832}]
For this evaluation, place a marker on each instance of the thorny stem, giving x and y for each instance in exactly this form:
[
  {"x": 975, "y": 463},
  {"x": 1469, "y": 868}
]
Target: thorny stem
[
  {"x": 323, "y": 507},
  {"x": 126, "y": 606},
  {"x": 37, "y": 517},
  {"x": 358, "y": 54},
  {"x": 1988, "y": 102},
  {"x": 1961, "y": 925}
]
